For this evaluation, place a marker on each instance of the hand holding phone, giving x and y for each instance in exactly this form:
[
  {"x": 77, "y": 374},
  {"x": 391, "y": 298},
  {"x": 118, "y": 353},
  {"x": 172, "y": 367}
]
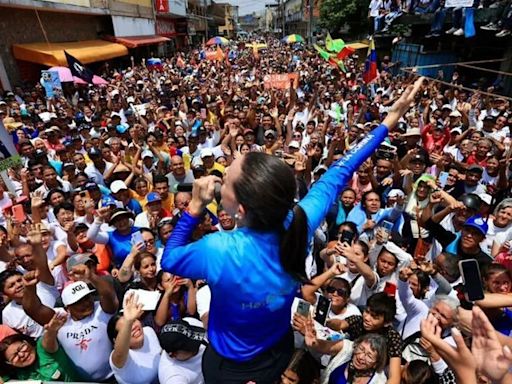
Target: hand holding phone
[
  {"x": 303, "y": 308},
  {"x": 472, "y": 280},
  {"x": 323, "y": 306},
  {"x": 137, "y": 239}
]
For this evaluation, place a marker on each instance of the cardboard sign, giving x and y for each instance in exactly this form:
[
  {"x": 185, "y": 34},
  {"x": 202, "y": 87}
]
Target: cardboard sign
[
  {"x": 458, "y": 3},
  {"x": 51, "y": 83},
  {"x": 281, "y": 81}
]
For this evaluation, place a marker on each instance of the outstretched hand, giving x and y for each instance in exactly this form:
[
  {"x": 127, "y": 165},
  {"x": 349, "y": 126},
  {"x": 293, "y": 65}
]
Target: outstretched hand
[{"x": 403, "y": 104}]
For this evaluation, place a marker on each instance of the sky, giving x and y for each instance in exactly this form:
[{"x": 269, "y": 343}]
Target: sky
[{"x": 250, "y": 6}]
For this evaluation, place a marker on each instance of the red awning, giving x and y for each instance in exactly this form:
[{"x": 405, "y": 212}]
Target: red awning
[{"x": 138, "y": 41}]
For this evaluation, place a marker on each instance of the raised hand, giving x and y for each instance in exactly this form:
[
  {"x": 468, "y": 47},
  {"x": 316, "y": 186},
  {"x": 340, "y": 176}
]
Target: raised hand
[
  {"x": 56, "y": 323},
  {"x": 81, "y": 272},
  {"x": 31, "y": 278},
  {"x": 37, "y": 200},
  {"x": 310, "y": 333},
  {"x": 34, "y": 234},
  {"x": 132, "y": 309}
]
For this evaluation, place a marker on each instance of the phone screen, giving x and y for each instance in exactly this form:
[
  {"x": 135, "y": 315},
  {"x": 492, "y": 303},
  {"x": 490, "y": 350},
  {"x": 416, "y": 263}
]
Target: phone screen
[
  {"x": 137, "y": 238},
  {"x": 470, "y": 272},
  {"x": 443, "y": 178},
  {"x": 303, "y": 308},
  {"x": 322, "y": 309}
]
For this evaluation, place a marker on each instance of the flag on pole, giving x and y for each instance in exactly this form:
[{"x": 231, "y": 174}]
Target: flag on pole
[
  {"x": 370, "y": 66},
  {"x": 335, "y": 45},
  {"x": 323, "y": 53},
  {"x": 78, "y": 69},
  {"x": 345, "y": 52}
]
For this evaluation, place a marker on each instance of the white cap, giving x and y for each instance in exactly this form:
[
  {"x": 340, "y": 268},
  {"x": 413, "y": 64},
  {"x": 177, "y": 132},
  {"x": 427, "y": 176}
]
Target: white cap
[
  {"x": 75, "y": 292},
  {"x": 115, "y": 92},
  {"x": 117, "y": 186},
  {"x": 396, "y": 193},
  {"x": 486, "y": 198},
  {"x": 447, "y": 106},
  {"x": 130, "y": 99},
  {"x": 206, "y": 152},
  {"x": 455, "y": 114},
  {"x": 145, "y": 153},
  {"x": 294, "y": 144}
]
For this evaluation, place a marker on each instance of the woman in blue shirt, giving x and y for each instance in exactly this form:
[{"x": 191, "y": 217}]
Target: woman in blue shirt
[{"x": 255, "y": 271}]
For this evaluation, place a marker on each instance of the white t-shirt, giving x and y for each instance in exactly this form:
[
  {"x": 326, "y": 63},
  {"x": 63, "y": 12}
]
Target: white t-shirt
[
  {"x": 15, "y": 317},
  {"x": 492, "y": 234},
  {"x": 59, "y": 272},
  {"x": 86, "y": 343},
  {"x": 172, "y": 371},
  {"x": 361, "y": 292},
  {"x": 141, "y": 366}
]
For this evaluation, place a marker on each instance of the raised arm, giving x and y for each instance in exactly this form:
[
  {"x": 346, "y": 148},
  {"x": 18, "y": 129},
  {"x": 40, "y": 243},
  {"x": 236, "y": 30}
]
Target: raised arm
[
  {"x": 31, "y": 303},
  {"x": 131, "y": 312},
  {"x": 108, "y": 298},
  {"x": 39, "y": 255}
]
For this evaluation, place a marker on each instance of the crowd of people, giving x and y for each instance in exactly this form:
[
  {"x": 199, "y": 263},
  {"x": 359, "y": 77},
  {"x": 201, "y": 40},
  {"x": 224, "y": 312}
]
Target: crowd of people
[
  {"x": 382, "y": 14},
  {"x": 196, "y": 222}
]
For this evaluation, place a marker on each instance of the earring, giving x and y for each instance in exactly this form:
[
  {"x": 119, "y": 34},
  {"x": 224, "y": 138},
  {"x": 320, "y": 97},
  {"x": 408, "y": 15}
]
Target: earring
[{"x": 237, "y": 216}]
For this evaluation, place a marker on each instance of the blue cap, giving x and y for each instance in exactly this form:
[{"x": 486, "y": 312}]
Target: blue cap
[
  {"x": 153, "y": 197},
  {"x": 477, "y": 222},
  {"x": 107, "y": 201},
  {"x": 121, "y": 128}
]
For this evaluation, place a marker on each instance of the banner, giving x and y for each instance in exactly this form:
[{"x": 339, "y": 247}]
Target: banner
[
  {"x": 458, "y": 3},
  {"x": 281, "y": 81},
  {"x": 162, "y": 6},
  {"x": 9, "y": 157},
  {"x": 51, "y": 83}
]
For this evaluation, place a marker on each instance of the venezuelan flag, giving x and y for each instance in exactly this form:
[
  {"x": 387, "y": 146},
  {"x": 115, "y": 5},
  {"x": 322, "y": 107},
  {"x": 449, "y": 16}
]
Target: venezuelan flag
[{"x": 370, "y": 66}]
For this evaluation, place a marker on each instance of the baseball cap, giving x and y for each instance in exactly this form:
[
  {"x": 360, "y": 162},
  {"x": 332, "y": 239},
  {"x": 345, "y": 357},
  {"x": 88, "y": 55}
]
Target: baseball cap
[
  {"x": 182, "y": 335},
  {"x": 270, "y": 132},
  {"x": 75, "y": 292},
  {"x": 94, "y": 152},
  {"x": 248, "y": 132},
  {"x": 412, "y": 132},
  {"x": 153, "y": 197},
  {"x": 447, "y": 106},
  {"x": 477, "y": 222},
  {"x": 475, "y": 168},
  {"x": 206, "y": 152},
  {"x": 456, "y": 130},
  {"x": 117, "y": 186},
  {"x": 79, "y": 259},
  {"x": 486, "y": 198},
  {"x": 396, "y": 193},
  {"x": 107, "y": 201},
  {"x": 419, "y": 158},
  {"x": 455, "y": 114},
  {"x": 119, "y": 212},
  {"x": 146, "y": 153},
  {"x": 294, "y": 144}
]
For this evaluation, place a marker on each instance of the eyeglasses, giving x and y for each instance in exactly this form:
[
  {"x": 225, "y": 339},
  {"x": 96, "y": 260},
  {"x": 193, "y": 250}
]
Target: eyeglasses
[
  {"x": 340, "y": 291},
  {"x": 23, "y": 348},
  {"x": 149, "y": 242},
  {"x": 368, "y": 355},
  {"x": 297, "y": 136}
]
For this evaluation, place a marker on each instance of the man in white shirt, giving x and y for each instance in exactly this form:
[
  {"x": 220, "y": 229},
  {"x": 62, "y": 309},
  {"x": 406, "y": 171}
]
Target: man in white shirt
[
  {"x": 84, "y": 334},
  {"x": 183, "y": 342}
]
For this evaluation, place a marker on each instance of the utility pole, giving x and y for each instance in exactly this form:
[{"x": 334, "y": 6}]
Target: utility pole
[
  {"x": 281, "y": 7},
  {"x": 206, "y": 19}
]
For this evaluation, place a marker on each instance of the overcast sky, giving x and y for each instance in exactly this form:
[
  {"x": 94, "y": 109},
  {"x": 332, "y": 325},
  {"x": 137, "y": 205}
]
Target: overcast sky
[{"x": 250, "y": 6}]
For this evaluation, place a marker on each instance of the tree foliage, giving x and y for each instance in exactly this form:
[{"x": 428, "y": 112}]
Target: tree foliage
[{"x": 334, "y": 14}]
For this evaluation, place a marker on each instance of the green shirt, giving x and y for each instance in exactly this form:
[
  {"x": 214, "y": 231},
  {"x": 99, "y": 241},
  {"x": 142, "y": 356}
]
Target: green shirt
[{"x": 49, "y": 367}]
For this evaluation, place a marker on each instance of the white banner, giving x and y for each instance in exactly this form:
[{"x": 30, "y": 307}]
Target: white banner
[{"x": 458, "y": 3}]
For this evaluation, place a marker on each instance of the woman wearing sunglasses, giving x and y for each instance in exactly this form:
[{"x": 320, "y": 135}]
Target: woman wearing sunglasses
[
  {"x": 24, "y": 358},
  {"x": 361, "y": 361}
]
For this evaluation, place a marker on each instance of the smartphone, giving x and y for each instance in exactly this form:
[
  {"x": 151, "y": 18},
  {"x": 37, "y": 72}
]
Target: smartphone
[
  {"x": 322, "y": 309},
  {"x": 387, "y": 227},
  {"x": 338, "y": 259},
  {"x": 137, "y": 238},
  {"x": 203, "y": 113},
  {"x": 279, "y": 153},
  {"x": 19, "y": 213},
  {"x": 390, "y": 289},
  {"x": 303, "y": 308},
  {"x": 346, "y": 237},
  {"x": 443, "y": 178},
  {"x": 472, "y": 280}
]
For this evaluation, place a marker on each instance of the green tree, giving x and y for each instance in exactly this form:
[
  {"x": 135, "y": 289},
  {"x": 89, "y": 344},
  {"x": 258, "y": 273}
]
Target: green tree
[{"x": 335, "y": 14}]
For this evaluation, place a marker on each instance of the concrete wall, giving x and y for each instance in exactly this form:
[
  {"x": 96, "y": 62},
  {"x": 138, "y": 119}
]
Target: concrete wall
[{"x": 18, "y": 26}]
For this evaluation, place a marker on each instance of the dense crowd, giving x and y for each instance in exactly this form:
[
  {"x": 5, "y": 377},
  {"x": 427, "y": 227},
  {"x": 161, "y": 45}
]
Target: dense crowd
[{"x": 107, "y": 173}]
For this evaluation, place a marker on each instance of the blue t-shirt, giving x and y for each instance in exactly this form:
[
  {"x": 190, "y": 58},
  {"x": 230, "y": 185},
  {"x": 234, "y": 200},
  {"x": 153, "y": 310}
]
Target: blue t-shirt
[
  {"x": 134, "y": 206},
  {"x": 120, "y": 245},
  {"x": 252, "y": 294}
]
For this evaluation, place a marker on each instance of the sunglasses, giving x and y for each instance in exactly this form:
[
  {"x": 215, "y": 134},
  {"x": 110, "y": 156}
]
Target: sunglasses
[{"x": 340, "y": 291}]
